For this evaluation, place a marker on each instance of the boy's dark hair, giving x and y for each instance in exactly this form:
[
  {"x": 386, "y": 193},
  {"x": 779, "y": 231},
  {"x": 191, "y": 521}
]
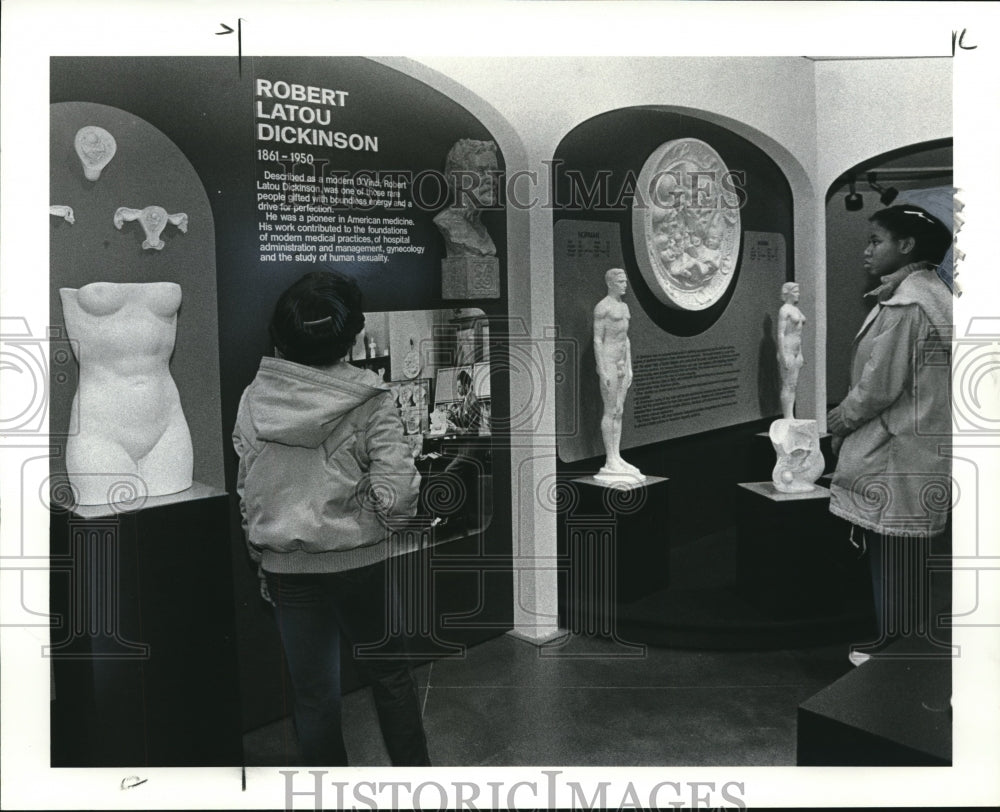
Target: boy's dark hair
[
  {"x": 932, "y": 237},
  {"x": 316, "y": 320},
  {"x": 465, "y": 378}
]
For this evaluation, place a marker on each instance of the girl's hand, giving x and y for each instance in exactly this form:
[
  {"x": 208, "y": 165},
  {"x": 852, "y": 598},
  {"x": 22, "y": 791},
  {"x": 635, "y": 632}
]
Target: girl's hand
[
  {"x": 264, "y": 591},
  {"x": 835, "y": 423}
]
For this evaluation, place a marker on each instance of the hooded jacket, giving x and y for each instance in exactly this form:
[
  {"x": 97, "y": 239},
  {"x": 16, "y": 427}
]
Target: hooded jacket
[
  {"x": 893, "y": 472},
  {"x": 323, "y": 467}
]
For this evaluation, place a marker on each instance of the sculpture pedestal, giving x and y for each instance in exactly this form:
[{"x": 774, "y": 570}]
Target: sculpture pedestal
[
  {"x": 616, "y": 548},
  {"x": 794, "y": 562},
  {"x": 470, "y": 278},
  {"x": 143, "y": 644}
]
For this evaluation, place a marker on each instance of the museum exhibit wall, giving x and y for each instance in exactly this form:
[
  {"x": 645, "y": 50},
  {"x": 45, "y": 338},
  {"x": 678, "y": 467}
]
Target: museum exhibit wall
[
  {"x": 814, "y": 119},
  {"x": 698, "y": 365},
  {"x": 794, "y": 111},
  {"x": 775, "y": 112},
  {"x": 238, "y": 134}
]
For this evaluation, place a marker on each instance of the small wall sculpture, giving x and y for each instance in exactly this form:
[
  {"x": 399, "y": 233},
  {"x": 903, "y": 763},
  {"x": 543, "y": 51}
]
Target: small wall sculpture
[
  {"x": 686, "y": 224},
  {"x": 800, "y": 460},
  {"x": 153, "y": 220},
  {"x": 126, "y": 407},
  {"x": 66, "y": 212},
  {"x": 95, "y": 147},
  {"x": 470, "y": 269}
]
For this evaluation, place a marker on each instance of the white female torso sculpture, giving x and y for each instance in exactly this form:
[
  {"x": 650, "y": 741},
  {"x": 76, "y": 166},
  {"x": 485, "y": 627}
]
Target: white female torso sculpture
[{"x": 126, "y": 407}]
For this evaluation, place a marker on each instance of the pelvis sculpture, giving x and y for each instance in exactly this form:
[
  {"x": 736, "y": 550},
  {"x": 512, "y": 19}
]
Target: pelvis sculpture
[
  {"x": 153, "y": 220},
  {"x": 800, "y": 461},
  {"x": 132, "y": 440}
]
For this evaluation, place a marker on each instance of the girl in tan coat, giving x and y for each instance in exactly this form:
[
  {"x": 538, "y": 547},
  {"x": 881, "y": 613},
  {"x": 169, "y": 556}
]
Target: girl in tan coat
[{"x": 893, "y": 429}]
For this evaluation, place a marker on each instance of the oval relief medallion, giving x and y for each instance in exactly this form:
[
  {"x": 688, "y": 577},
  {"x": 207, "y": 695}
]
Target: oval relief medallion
[{"x": 686, "y": 224}]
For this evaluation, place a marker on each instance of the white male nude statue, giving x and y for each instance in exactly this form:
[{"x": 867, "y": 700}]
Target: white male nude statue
[{"x": 614, "y": 370}]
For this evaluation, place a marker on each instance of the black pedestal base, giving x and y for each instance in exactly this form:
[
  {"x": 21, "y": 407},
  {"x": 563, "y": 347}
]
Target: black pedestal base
[
  {"x": 143, "y": 650},
  {"x": 794, "y": 557},
  {"x": 614, "y": 550}
]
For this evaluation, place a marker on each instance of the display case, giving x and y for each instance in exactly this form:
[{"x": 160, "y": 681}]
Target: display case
[{"x": 380, "y": 365}]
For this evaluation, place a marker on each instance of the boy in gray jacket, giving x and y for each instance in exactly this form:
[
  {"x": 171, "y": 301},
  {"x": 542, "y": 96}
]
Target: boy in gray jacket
[{"x": 323, "y": 470}]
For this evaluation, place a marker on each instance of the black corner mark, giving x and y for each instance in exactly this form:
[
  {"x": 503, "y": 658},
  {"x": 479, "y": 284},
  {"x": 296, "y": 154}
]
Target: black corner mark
[
  {"x": 239, "y": 41},
  {"x": 958, "y": 39}
]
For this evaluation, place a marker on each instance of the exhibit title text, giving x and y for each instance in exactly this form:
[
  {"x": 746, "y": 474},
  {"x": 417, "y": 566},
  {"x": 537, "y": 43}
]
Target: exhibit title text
[{"x": 290, "y": 113}]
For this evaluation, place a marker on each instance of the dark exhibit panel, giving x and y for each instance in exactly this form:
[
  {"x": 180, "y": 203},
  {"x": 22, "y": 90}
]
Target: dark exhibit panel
[
  {"x": 144, "y": 653},
  {"x": 309, "y": 163}
]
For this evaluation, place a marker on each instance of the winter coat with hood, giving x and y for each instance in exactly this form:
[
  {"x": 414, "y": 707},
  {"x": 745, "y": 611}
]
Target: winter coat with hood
[
  {"x": 893, "y": 472},
  {"x": 323, "y": 468}
]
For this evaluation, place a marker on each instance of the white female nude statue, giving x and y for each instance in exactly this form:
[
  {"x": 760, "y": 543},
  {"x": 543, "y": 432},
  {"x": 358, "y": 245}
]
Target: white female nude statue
[
  {"x": 790, "y": 360},
  {"x": 126, "y": 405},
  {"x": 614, "y": 369}
]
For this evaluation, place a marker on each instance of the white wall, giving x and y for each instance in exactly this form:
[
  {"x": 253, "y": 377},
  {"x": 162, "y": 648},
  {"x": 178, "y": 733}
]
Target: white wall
[{"x": 865, "y": 107}]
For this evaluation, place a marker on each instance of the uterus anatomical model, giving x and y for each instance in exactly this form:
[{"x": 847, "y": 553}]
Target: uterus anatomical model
[
  {"x": 153, "y": 220},
  {"x": 95, "y": 147}
]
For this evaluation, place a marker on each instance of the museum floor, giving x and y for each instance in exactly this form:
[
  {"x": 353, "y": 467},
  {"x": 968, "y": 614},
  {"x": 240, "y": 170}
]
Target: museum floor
[
  {"x": 592, "y": 702},
  {"x": 589, "y": 701}
]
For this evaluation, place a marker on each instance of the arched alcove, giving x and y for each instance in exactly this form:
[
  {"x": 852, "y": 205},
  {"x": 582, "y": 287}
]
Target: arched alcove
[
  {"x": 595, "y": 177},
  {"x": 148, "y": 168}
]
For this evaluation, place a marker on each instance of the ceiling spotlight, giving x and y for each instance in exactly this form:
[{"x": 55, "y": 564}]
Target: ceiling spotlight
[
  {"x": 853, "y": 201},
  {"x": 886, "y": 196}
]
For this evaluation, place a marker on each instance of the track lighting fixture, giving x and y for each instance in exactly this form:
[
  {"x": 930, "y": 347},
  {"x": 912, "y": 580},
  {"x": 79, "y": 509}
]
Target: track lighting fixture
[
  {"x": 853, "y": 201},
  {"x": 886, "y": 196}
]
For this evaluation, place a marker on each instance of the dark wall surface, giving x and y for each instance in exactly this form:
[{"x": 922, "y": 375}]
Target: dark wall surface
[{"x": 207, "y": 108}]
